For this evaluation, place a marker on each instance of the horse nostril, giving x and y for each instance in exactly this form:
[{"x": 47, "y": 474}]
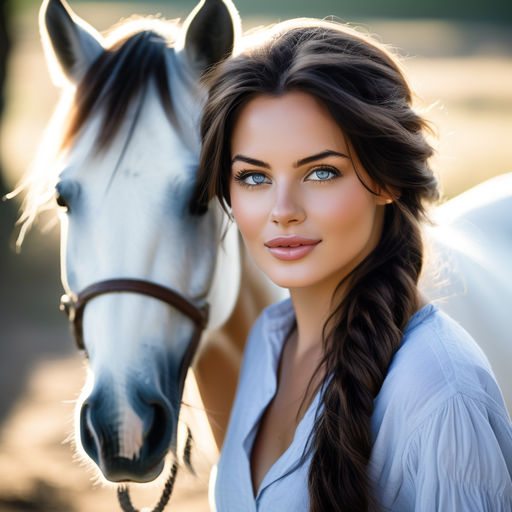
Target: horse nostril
[
  {"x": 157, "y": 437},
  {"x": 127, "y": 443},
  {"x": 86, "y": 434}
]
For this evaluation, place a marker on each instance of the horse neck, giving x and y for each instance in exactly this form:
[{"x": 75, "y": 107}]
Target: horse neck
[{"x": 225, "y": 287}]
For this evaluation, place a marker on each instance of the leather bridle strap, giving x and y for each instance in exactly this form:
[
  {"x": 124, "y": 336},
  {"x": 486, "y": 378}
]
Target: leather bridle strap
[{"x": 74, "y": 307}]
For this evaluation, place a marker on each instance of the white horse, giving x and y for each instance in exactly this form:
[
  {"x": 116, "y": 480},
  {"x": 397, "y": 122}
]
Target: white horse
[
  {"x": 123, "y": 169},
  {"x": 124, "y": 172},
  {"x": 469, "y": 269}
]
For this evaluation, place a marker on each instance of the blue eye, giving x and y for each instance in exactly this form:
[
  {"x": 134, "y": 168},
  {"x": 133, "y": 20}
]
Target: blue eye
[
  {"x": 323, "y": 174},
  {"x": 251, "y": 179},
  {"x": 256, "y": 179}
]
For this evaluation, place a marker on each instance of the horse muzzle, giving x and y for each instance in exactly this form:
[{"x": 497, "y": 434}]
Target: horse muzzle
[{"x": 128, "y": 441}]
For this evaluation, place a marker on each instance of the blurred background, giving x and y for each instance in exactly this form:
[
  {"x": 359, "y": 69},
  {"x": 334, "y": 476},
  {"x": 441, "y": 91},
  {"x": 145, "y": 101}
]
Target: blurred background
[{"x": 459, "y": 58}]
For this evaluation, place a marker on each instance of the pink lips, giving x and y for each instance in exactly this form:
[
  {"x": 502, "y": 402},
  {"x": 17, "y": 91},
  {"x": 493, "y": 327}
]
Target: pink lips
[{"x": 291, "y": 247}]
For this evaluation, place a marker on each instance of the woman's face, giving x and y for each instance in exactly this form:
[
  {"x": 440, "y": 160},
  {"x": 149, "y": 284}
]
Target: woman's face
[{"x": 302, "y": 211}]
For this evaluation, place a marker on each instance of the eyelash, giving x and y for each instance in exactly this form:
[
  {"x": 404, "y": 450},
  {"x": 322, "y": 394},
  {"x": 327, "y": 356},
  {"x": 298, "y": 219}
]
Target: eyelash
[{"x": 241, "y": 176}]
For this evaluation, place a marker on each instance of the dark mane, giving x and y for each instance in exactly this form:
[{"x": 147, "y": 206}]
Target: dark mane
[{"x": 115, "y": 79}]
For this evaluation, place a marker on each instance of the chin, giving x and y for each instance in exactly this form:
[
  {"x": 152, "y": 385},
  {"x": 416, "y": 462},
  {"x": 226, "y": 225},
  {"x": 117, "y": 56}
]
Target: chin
[{"x": 292, "y": 281}]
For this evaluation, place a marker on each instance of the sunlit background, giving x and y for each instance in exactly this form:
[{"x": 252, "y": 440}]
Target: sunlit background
[{"x": 459, "y": 58}]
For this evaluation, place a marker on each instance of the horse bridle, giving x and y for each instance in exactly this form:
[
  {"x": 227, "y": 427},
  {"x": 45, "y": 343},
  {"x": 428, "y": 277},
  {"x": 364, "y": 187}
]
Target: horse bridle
[{"x": 74, "y": 309}]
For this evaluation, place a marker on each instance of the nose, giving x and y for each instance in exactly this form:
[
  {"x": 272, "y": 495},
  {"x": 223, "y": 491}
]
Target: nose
[
  {"x": 127, "y": 451},
  {"x": 287, "y": 208}
]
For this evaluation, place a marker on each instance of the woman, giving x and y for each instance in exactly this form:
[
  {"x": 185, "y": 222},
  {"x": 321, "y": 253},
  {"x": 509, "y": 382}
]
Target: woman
[{"x": 355, "y": 393}]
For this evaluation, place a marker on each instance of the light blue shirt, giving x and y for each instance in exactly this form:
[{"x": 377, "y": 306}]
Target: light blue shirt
[{"x": 442, "y": 438}]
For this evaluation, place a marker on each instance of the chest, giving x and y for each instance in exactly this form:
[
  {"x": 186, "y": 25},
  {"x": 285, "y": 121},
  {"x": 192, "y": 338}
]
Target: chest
[
  {"x": 281, "y": 418},
  {"x": 275, "y": 434}
]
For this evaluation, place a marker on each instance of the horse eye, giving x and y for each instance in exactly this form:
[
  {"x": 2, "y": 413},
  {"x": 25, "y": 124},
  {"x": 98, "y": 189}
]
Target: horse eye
[
  {"x": 66, "y": 192},
  {"x": 61, "y": 201}
]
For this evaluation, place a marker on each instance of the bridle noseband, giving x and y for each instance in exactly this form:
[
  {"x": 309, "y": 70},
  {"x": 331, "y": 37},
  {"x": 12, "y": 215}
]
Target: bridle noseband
[{"x": 74, "y": 308}]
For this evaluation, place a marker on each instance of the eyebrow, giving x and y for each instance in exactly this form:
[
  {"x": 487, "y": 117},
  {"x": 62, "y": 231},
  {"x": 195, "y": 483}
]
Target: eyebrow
[
  {"x": 303, "y": 161},
  {"x": 252, "y": 161}
]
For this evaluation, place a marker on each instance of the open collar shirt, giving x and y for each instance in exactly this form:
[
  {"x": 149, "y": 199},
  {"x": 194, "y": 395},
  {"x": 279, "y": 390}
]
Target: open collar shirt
[{"x": 442, "y": 438}]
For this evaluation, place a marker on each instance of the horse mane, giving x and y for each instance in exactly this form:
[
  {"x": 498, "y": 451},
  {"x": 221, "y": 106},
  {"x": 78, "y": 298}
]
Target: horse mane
[
  {"x": 116, "y": 79},
  {"x": 135, "y": 54}
]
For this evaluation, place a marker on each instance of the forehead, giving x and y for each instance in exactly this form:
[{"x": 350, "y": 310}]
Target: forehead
[{"x": 294, "y": 122}]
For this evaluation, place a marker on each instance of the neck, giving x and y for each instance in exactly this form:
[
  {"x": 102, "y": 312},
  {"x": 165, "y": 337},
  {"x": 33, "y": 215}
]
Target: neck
[{"x": 312, "y": 309}]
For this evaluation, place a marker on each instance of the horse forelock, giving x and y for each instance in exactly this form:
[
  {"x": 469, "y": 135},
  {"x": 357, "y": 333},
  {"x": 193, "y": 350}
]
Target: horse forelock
[{"x": 115, "y": 80}]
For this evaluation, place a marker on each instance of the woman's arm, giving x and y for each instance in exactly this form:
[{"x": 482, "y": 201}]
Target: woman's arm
[{"x": 460, "y": 458}]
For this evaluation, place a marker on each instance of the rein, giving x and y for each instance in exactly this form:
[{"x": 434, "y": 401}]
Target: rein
[
  {"x": 74, "y": 309},
  {"x": 123, "y": 495}
]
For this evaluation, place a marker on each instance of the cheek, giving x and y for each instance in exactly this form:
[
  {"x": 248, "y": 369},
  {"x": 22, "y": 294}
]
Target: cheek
[
  {"x": 247, "y": 212},
  {"x": 346, "y": 210}
]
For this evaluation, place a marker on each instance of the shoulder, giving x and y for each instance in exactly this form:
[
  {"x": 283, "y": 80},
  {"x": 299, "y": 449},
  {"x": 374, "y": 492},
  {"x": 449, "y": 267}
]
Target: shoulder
[
  {"x": 458, "y": 458},
  {"x": 437, "y": 364},
  {"x": 440, "y": 424},
  {"x": 437, "y": 360}
]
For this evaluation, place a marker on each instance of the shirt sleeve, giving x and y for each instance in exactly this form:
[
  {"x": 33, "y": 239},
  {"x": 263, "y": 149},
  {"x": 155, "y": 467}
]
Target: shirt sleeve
[{"x": 460, "y": 459}]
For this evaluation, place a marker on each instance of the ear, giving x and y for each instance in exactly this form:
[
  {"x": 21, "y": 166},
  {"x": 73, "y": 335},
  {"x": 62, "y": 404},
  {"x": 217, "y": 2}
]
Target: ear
[
  {"x": 385, "y": 196},
  {"x": 70, "y": 44},
  {"x": 210, "y": 33}
]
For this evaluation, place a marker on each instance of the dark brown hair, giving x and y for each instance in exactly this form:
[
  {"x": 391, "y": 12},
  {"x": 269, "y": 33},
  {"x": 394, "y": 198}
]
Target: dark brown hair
[{"x": 367, "y": 94}]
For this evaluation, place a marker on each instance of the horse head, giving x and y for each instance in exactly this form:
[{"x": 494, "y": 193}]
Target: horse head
[{"x": 125, "y": 173}]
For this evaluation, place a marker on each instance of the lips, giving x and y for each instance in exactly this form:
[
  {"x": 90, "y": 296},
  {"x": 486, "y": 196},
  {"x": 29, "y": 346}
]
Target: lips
[{"x": 291, "y": 247}]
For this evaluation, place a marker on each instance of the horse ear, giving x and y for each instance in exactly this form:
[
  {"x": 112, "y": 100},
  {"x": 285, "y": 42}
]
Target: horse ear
[
  {"x": 210, "y": 33},
  {"x": 68, "y": 41}
]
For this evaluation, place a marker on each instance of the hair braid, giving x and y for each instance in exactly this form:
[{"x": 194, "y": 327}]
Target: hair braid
[{"x": 368, "y": 329}]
